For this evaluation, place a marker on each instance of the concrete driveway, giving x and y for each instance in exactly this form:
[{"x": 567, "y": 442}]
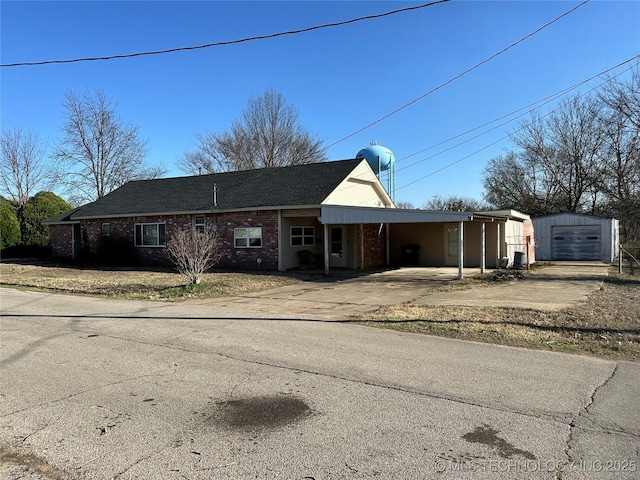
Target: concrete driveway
[{"x": 554, "y": 287}]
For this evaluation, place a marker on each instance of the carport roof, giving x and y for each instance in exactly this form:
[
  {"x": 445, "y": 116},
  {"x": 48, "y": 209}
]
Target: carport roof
[{"x": 340, "y": 214}]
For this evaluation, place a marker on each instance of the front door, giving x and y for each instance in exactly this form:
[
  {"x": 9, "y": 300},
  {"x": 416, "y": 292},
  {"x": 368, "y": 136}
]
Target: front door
[
  {"x": 451, "y": 245},
  {"x": 337, "y": 250}
]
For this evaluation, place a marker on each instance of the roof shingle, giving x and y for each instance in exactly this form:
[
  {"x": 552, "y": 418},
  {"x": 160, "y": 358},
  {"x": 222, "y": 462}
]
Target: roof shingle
[{"x": 282, "y": 186}]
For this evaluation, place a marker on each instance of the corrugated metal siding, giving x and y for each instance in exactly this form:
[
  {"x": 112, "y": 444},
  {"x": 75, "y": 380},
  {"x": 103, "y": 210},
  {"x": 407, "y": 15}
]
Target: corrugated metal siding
[
  {"x": 543, "y": 227},
  {"x": 576, "y": 242}
]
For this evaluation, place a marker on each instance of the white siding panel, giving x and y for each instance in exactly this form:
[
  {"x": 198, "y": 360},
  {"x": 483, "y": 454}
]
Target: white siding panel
[{"x": 361, "y": 188}]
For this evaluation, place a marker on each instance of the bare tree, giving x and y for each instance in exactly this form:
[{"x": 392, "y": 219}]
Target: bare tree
[
  {"x": 454, "y": 203},
  {"x": 268, "y": 134},
  {"x": 22, "y": 171},
  {"x": 194, "y": 252},
  {"x": 583, "y": 157},
  {"x": 556, "y": 164},
  {"x": 100, "y": 152},
  {"x": 406, "y": 205},
  {"x": 566, "y": 146},
  {"x": 624, "y": 97},
  {"x": 620, "y": 164}
]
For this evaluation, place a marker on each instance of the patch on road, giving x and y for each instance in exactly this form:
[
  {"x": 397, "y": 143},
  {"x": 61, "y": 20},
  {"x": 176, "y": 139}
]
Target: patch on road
[
  {"x": 259, "y": 413},
  {"x": 488, "y": 436},
  {"x": 20, "y": 465}
]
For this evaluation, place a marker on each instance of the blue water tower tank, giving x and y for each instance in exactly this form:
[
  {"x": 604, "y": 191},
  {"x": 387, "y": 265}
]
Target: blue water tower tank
[{"x": 379, "y": 158}]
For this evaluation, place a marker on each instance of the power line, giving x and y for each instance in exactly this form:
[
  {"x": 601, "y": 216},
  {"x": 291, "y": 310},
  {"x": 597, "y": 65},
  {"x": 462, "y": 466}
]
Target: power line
[
  {"x": 515, "y": 131},
  {"x": 229, "y": 42},
  {"x": 415, "y": 100},
  {"x": 537, "y": 104}
]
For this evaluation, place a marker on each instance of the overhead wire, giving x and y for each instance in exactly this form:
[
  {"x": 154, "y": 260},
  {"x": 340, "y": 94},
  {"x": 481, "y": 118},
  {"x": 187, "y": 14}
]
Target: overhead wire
[
  {"x": 465, "y": 72},
  {"x": 228, "y": 42},
  {"x": 528, "y": 109},
  {"x": 518, "y": 129}
]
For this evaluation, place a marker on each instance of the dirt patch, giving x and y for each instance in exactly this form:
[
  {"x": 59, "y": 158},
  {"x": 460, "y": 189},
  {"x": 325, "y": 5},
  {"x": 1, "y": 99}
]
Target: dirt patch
[
  {"x": 488, "y": 436},
  {"x": 19, "y": 465},
  {"x": 261, "y": 413}
]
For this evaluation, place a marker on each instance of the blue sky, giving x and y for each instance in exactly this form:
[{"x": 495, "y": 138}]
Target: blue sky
[{"x": 340, "y": 79}]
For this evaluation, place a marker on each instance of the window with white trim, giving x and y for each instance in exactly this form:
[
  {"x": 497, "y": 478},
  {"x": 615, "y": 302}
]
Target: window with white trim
[
  {"x": 249, "y": 237},
  {"x": 302, "y": 236},
  {"x": 106, "y": 229},
  {"x": 199, "y": 224},
  {"x": 150, "y": 235}
]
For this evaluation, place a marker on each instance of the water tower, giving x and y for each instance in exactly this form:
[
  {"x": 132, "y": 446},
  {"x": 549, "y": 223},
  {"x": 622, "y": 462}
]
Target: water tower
[{"x": 381, "y": 159}]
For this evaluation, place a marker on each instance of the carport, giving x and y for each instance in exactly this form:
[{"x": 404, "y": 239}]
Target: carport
[{"x": 446, "y": 238}]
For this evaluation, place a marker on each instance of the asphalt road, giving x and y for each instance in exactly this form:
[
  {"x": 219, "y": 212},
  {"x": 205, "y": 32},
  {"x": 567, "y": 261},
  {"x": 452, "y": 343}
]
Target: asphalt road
[{"x": 100, "y": 389}]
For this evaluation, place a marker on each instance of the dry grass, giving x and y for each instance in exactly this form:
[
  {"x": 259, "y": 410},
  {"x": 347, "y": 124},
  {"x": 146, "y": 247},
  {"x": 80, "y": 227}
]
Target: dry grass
[
  {"x": 607, "y": 323},
  {"x": 148, "y": 284}
]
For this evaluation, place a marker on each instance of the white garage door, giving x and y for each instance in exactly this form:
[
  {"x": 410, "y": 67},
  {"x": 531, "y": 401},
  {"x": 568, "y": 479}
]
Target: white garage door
[{"x": 576, "y": 242}]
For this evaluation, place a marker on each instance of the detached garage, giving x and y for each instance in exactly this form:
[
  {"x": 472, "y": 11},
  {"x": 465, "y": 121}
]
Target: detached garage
[{"x": 574, "y": 236}]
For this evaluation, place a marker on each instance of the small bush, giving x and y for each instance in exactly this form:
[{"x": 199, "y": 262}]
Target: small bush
[{"x": 193, "y": 253}]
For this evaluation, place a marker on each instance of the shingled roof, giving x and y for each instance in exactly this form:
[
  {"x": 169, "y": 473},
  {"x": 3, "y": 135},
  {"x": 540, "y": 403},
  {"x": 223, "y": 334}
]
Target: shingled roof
[{"x": 267, "y": 187}]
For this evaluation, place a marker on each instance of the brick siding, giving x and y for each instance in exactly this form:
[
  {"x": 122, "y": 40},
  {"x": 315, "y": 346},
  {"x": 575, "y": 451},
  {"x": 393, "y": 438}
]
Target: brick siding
[
  {"x": 373, "y": 243},
  {"x": 61, "y": 241},
  {"x": 234, "y": 258}
]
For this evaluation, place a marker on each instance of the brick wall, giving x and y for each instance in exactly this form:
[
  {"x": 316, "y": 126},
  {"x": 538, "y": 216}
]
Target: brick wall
[
  {"x": 234, "y": 258},
  {"x": 372, "y": 241},
  {"x": 247, "y": 258},
  {"x": 61, "y": 241}
]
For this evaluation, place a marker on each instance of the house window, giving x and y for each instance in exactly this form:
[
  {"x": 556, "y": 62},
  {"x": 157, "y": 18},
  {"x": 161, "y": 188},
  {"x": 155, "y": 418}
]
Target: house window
[
  {"x": 303, "y": 236},
  {"x": 150, "y": 235},
  {"x": 199, "y": 224},
  {"x": 247, "y": 237},
  {"x": 106, "y": 229}
]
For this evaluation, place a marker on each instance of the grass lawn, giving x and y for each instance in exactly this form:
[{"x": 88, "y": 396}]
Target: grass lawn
[{"x": 128, "y": 283}]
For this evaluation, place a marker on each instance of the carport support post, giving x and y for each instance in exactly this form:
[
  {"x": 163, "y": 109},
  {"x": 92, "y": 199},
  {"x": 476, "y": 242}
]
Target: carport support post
[
  {"x": 483, "y": 254},
  {"x": 460, "y": 250},
  {"x": 326, "y": 249},
  {"x": 499, "y": 259}
]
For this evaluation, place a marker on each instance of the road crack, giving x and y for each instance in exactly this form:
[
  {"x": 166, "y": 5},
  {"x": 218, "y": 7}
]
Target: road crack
[{"x": 575, "y": 424}]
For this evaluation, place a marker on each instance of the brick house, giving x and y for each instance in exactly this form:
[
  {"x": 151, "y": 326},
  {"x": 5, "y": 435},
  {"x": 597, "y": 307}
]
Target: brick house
[
  {"x": 322, "y": 215},
  {"x": 266, "y": 218}
]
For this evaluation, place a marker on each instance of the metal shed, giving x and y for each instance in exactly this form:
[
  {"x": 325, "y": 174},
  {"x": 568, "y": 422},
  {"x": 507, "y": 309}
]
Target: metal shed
[{"x": 574, "y": 236}]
